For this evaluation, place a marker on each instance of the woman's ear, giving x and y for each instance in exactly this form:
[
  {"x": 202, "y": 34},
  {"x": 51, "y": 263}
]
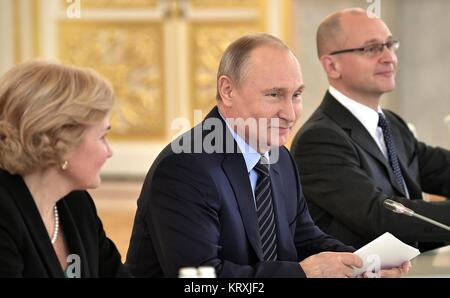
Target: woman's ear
[
  {"x": 331, "y": 66},
  {"x": 225, "y": 89}
]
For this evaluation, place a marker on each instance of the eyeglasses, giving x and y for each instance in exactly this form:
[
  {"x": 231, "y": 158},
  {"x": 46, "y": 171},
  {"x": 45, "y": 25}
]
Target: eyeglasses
[{"x": 372, "y": 50}]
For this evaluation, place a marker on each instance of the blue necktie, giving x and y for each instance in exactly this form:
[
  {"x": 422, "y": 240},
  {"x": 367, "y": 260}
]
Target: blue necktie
[
  {"x": 264, "y": 211},
  {"x": 392, "y": 152}
]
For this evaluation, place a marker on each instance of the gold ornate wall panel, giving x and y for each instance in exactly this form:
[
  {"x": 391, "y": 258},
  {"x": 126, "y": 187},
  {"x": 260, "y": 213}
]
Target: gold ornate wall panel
[
  {"x": 208, "y": 42},
  {"x": 130, "y": 55},
  {"x": 225, "y": 3},
  {"x": 160, "y": 55},
  {"x": 118, "y": 3},
  {"x": 17, "y": 31},
  {"x": 130, "y": 52},
  {"x": 33, "y": 18},
  {"x": 210, "y": 38},
  {"x": 36, "y": 21}
]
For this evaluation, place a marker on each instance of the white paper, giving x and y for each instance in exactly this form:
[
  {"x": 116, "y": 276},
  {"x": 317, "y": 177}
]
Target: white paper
[{"x": 383, "y": 253}]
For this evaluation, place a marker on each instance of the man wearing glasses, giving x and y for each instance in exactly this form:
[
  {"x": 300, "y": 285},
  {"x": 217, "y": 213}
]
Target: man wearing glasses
[{"x": 352, "y": 154}]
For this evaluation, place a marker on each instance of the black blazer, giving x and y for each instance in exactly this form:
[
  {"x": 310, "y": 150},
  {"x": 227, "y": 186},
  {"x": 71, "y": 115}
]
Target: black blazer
[
  {"x": 198, "y": 209},
  {"x": 346, "y": 178},
  {"x": 25, "y": 247}
]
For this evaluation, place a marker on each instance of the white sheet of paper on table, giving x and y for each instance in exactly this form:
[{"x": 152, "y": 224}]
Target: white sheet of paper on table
[{"x": 383, "y": 253}]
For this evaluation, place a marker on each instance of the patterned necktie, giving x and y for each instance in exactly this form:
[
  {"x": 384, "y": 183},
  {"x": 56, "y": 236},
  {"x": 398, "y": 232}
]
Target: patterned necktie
[
  {"x": 264, "y": 210},
  {"x": 392, "y": 152}
]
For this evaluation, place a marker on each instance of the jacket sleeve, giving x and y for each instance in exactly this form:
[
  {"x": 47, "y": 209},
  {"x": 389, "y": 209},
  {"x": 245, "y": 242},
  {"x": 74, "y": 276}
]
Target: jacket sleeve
[
  {"x": 335, "y": 182},
  {"x": 109, "y": 262},
  {"x": 309, "y": 238},
  {"x": 11, "y": 263},
  {"x": 433, "y": 162},
  {"x": 11, "y": 260}
]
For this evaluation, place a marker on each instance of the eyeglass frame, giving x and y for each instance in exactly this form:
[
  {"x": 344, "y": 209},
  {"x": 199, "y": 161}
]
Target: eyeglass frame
[{"x": 395, "y": 44}]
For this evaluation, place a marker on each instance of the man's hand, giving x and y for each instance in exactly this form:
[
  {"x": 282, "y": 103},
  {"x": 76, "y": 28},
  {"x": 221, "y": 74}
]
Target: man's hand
[
  {"x": 331, "y": 264},
  {"x": 389, "y": 273}
]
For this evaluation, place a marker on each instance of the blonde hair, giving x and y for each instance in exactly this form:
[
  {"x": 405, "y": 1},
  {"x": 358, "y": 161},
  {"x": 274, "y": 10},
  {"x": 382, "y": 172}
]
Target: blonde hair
[
  {"x": 45, "y": 108},
  {"x": 234, "y": 62}
]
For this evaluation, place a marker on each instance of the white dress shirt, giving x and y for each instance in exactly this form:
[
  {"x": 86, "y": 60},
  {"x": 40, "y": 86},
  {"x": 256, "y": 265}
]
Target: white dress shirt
[
  {"x": 365, "y": 115},
  {"x": 251, "y": 157},
  {"x": 368, "y": 118}
]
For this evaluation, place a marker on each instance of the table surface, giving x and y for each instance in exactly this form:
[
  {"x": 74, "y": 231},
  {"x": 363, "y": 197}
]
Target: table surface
[{"x": 434, "y": 263}]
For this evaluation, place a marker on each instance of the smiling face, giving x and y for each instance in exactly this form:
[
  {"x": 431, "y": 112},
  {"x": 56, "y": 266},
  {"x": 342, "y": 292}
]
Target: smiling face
[
  {"x": 86, "y": 159},
  {"x": 270, "y": 89},
  {"x": 357, "y": 75}
]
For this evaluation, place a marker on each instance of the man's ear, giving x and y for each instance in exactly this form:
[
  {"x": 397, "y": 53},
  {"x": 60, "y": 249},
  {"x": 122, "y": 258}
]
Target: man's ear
[
  {"x": 331, "y": 66},
  {"x": 225, "y": 87}
]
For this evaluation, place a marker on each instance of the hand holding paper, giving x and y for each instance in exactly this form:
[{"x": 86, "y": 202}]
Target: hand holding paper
[{"x": 385, "y": 252}]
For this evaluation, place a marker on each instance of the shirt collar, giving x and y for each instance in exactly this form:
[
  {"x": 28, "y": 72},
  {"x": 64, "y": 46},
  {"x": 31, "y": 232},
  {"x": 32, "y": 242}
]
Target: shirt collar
[
  {"x": 365, "y": 115},
  {"x": 251, "y": 156}
]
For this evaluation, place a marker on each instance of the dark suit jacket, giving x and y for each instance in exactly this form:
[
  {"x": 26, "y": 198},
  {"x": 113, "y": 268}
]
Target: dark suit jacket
[
  {"x": 25, "y": 247},
  {"x": 198, "y": 209},
  {"x": 346, "y": 178}
]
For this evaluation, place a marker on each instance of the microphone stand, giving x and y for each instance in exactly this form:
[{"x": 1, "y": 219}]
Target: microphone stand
[
  {"x": 401, "y": 209},
  {"x": 431, "y": 221}
]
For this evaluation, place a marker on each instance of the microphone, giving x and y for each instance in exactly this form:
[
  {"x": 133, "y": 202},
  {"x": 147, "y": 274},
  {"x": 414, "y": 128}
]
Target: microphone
[{"x": 399, "y": 208}]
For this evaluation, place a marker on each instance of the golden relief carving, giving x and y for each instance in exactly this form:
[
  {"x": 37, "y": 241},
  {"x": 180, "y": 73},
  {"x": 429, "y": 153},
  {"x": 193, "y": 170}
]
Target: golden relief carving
[
  {"x": 117, "y": 3},
  {"x": 208, "y": 44},
  {"x": 17, "y": 31},
  {"x": 225, "y": 3},
  {"x": 130, "y": 56}
]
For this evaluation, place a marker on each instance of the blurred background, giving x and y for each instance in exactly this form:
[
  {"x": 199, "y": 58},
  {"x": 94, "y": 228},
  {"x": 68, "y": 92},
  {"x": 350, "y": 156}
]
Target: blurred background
[{"x": 162, "y": 57}]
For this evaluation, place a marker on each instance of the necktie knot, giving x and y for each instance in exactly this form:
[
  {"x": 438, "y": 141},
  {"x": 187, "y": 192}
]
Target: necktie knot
[
  {"x": 262, "y": 167},
  {"x": 382, "y": 122}
]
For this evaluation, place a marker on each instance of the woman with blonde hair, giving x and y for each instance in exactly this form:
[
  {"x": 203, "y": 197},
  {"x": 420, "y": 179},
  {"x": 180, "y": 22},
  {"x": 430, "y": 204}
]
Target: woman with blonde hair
[{"x": 53, "y": 124}]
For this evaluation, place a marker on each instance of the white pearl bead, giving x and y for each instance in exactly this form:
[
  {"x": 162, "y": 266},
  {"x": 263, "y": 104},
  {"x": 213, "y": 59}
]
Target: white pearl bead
[{"x": 56, "y": 229}]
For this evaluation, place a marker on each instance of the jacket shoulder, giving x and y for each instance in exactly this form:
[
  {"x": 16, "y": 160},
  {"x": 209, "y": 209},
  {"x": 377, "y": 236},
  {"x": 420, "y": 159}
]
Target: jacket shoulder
[{"x": 320, "y": 128}]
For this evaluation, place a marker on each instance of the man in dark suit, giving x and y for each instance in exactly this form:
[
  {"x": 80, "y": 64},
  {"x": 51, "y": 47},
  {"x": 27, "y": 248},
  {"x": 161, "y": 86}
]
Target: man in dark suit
[
  {"x": 226, "y": 194},
  {"x": 352, "y": 155}
]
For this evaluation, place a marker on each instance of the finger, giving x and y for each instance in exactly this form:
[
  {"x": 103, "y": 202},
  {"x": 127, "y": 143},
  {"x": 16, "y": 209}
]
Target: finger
[
  {"x": 394, "y": 272},
  {"x": 369, "y": 274},
  {"x": 406, "y": 266},
  {"x": 350, "y": 259},
  {"x": 348, "y": 272}
]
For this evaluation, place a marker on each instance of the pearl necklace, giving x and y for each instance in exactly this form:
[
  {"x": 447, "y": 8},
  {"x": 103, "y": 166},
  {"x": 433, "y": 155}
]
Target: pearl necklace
[{"x": 56, "y": 229}]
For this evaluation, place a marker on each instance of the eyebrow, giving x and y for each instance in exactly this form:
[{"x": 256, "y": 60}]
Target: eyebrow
[
  {"x": 274, "y": 89},
  {"x": 280, "y": 89}
]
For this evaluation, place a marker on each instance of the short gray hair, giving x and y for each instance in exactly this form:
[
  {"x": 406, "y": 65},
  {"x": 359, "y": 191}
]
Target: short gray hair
[{"x": 234, "y": 62}]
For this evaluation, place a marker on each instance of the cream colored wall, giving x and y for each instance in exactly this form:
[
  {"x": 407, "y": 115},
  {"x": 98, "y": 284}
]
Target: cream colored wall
[
  {"x": 422, "y": 95},
  {"x": 6, "y": 36},
  {"x": 424, "y": 72}
]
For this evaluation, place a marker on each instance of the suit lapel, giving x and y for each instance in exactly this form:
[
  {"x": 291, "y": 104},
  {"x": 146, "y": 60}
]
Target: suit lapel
[
  {"x": 73, "y": 238},
  {"x": 39, "y": 235},
  {"x": 284, "y": 240},
  {"x": 36, "y": 227},
  {"x": 236, "y": 171},
  {"x": 345, "y": 119},
  {"x": 413, "y": 188}
]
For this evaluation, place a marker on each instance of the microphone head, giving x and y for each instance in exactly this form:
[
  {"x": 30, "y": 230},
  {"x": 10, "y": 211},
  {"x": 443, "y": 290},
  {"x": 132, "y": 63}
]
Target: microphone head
[
  {"x": 397, "y": 207},
  {"x": 390, "y": 205}
]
